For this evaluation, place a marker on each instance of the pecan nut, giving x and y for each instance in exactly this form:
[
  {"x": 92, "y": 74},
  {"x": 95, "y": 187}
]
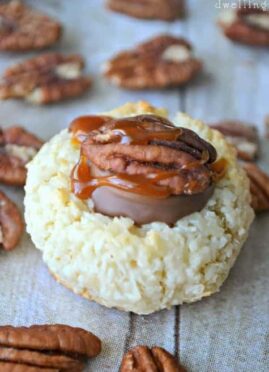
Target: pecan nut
[
  {"x": 247, "y": 25},
  {"x": 39, "y": 359},
  {"x": 167, "y": 10},
  {"x": 22, "y": 28},
  {"x": 16, "y": 367},
  {"x": 259, "y": 187},
  {"x": 266, "y": 125},
  {"x": 55, "y": 338},
  {"x": 243, "y": 136},
  {"x": 44, "y": 79},
  {"x": 163, "y": 61},
  {"x": 17, "y": 148},
  {"x": 182, "y": 155},
  {"x": 157, "y": 359},
  {"x": 11, "y": 223}
]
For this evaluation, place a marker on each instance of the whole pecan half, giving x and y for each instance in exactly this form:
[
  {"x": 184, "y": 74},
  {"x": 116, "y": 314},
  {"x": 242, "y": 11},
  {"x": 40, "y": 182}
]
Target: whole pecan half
[
  {"x": 259, "y": 187},
  {"x": 22, "y": 28},
  {"x": 247, "y": 25},
  {"x": 167, "y": 10},
  {"x": 39, "y": 359},
  {"x": 243, "y": 136},
  {"x": 44, "y": 79},
  {"x": 11, "y": 223},
  {"x": 17, "y": 367},
  {"x": 158, "y": 63},
  {"x": 144, "y": 359},
  {"x": 55, "y": 347},
  {"x": 184, "y": 155},
  {"x": 17, "y": 147},
  {"x": 54, "y": 338}
]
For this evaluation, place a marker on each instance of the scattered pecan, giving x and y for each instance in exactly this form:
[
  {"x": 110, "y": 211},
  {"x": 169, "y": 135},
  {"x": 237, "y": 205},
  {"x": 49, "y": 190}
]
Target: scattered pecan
[
  {"x": 167, "y": 10},
  {"x": 266, "y": 124},
  {"x": 44, "y": 79},
  {"x": 40, "y": 359},
  {"x": 104, "y": 150},
  {"x": 247, "y": 25},
  {"x": 259, "y": 186},
  {"x": 55, "y": 338},
  {"x": 46, "y": 348},
  {"x": 17, "y": 147},
  {"x": 243, "y": 136},
  {"x": 11, "y": 223},
  {"x": 158, "y": 63},
  {"x": 142, "y": 358},
  {"x": 22, "y": 28},
  {"x": 15, "y": 367}
]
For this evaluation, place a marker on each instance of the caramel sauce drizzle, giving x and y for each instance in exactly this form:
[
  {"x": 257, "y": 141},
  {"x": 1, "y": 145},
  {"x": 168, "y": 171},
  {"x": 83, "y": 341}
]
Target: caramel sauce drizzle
[
  {"x": 83, "y": 125},
  {"x": 128, "y": 132}
]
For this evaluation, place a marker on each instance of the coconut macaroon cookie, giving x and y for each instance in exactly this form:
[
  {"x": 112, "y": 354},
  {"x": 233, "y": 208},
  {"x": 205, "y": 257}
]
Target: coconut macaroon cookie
[{"x": 137, "y": 212}]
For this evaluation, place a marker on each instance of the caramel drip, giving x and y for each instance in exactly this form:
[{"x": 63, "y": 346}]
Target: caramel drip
[
  {"x": 219, "y": 169},
  {"x": 82, "y": 126},
  {"x": 129, "y": 131},
  {"x": 83, "y": 184}
]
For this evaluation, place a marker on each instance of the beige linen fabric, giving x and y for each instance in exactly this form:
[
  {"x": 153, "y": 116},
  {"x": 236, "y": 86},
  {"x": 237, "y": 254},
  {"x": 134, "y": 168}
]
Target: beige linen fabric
[{"x": 228, "y": 332}]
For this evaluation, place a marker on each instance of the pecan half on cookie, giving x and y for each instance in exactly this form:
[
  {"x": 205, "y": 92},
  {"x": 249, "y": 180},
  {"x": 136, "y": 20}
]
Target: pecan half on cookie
[
  {"x": 11, "y": 223},
  {"x": 22, "y": 28},
  {"x": 17, "y": 148},
  {"x": 247, "y": 25},
  {"x": 59, "y": 347},
  {"x": 156, "y": 359},
  {"x": 161, "y": 62},
  {"x": 167, "y": 10},
  {"x": 243, "y": 136},
  {"x": 50, "y": 77},
  {"x": 143, "y": 167}
]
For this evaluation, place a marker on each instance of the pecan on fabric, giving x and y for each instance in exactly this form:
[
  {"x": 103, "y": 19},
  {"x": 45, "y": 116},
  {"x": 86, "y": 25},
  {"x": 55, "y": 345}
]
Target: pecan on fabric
[
  {"x": 48, "y": 78},
  {"x": 167, "y": 10},
  {"x": 17, "y": 367},
  {"x": 39, "y": 359},
  {"x": 259, "y": 187},
  {"x": 11, "y": 223},
  {"x": 183, "y": 156},
  {"x": 243, "y": 136},
  {"x": 156, "y": 359},
  {"x": 55, "y": 347},
  {"x": 266, "y": 126},
  {"x": 17, "y": 148},
  {"x": 23, "y": 28},
  {"x": 161, "y": 62},
  {"x": 54, "y": 338},
  {"x": 247, "y": 25}
]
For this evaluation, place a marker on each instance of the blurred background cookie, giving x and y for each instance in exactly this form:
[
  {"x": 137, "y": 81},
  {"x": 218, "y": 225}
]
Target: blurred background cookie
[
  {"x": 161, "y": 62},
  {"x": 47, "y": 78},
  {"x": 23, "y": 28}
]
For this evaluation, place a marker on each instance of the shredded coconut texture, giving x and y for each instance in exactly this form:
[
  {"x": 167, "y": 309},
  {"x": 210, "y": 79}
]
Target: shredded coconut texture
[{"x": 112, "y": 261}]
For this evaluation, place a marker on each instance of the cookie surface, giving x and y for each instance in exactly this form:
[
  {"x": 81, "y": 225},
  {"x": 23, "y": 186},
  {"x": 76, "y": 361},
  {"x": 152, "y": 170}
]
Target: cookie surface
[{"x": 112, "y": 261}]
